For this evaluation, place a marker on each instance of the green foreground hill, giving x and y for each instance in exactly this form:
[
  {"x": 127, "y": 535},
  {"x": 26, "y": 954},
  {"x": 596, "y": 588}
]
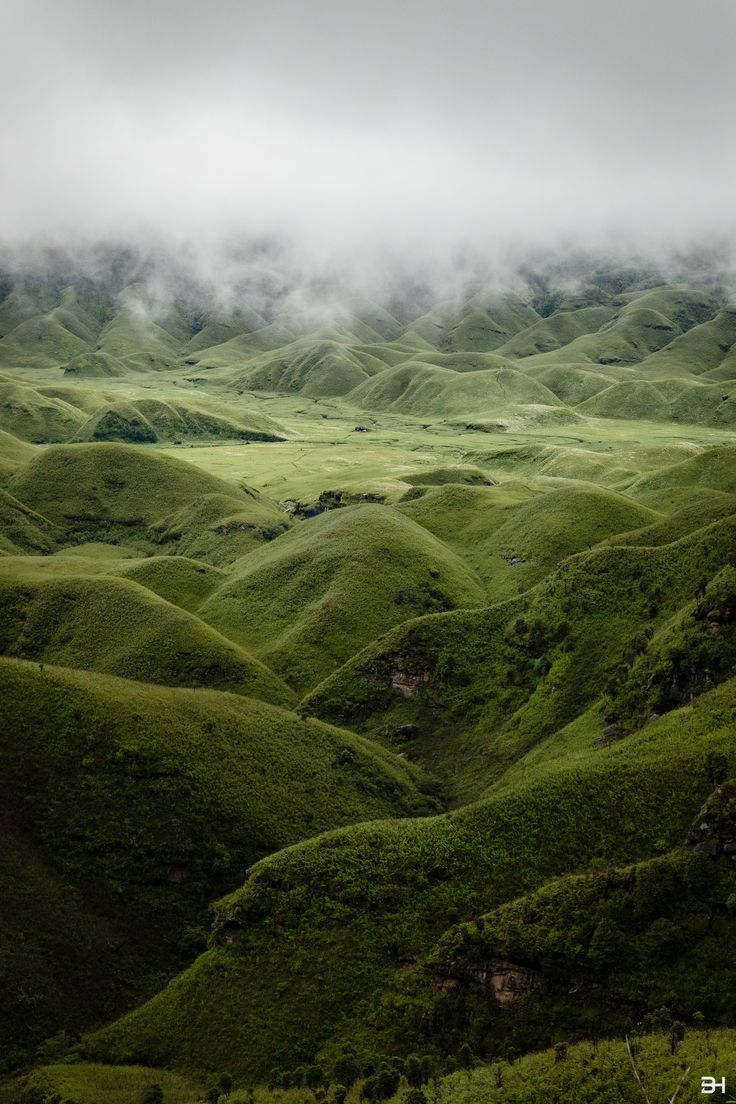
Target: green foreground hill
[{"x": 130, "y": 807}]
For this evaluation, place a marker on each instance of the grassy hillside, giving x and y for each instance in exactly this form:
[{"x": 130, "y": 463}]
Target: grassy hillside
[
  {"x": 177, "y": 579},
  {"x": 135, "y": 805},
  {"x": 418, "y": 388},
  {"x": 478, "y": 688},
  {"x": 309, "y": 600},
  {"x": 13, "y": 451},
  {"x": 150, "y": 420},
  {"x": 490, "y": 533},
  {"x": 335, "y": 920},
  {"x": 22, "y": 530},
  {"x": 32, "y": 416},
  {"x": 125, "y": 494},
  {"x": 118, "y": 627},
  {"x": 513, "y": 536}
]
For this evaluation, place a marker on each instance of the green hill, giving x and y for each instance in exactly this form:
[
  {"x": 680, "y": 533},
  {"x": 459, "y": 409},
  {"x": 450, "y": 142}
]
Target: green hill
[
  {"x": 417, "y": 388},
  {"x": 23, "y": 530},
  {"x": 312, "y": 368},
  {"x": 646, "y": 324},
  {"x": 177, "y": 579},
  {"x": 556, "y": 330},
  {"x": 513, "y": 537},
  {"x": 338, "y": 918},
  {"x": 219, "y": 528},
  {"x": 119, "y": 627},
  {"x": 483, "y": 322},
  {"x": 701, "y": 349},
  {"x": 485, "y": 686},
  {"x": 32, "y": 416},
  {"x": 97, "y": 365},
  {"x": 13, "y": 452},
  {"x": 133, "y": 806},
  {"x": 393, "y": 632},
  {"x": 114, "y": 489},
  {"x": 147, "y": 421},
  {"x": 314, "y": 597},
  {"x": 714, "y": 469}
]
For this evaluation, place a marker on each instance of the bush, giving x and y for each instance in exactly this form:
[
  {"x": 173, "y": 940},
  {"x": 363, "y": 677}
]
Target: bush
[{"x": 152, "y": 1094}]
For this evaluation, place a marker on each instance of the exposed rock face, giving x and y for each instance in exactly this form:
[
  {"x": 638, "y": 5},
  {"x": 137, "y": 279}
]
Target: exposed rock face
[
  {"x": 407, "y": 682},
  {"x": 714, "y": 829},
  {"x": 507, "y": 983},
  {"x": 611, "y": 733}
]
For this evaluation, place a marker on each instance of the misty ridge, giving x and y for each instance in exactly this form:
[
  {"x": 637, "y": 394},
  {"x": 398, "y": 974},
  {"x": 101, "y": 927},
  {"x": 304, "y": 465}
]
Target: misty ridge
[
  {"x": 278, "y": 280},
  {"x": 270, "y": 145}
]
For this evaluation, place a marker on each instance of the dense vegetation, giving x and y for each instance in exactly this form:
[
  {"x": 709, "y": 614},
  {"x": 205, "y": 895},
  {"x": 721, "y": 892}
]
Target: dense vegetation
[{"x": 369, "y": 691}]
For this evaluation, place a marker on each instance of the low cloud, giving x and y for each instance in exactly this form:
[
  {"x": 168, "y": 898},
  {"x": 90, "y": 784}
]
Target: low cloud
[{"x": 353, "y": 137}]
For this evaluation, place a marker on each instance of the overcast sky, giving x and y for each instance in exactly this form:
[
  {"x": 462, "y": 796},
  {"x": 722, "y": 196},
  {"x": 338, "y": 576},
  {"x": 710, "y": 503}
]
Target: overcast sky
[{"x": 407, "y": 125}]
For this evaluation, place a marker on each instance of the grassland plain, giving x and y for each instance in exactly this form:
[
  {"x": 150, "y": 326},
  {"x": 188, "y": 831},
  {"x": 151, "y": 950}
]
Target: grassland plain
[{"x": 419, "y": 618}]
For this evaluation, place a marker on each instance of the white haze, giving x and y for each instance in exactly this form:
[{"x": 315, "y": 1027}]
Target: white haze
[{"x": 360, "y": 132}]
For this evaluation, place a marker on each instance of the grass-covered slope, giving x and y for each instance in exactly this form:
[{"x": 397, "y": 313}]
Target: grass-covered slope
[
  {"x": 86, "y": 1083},
  {"x": 644, "y": 325},
  {"x": 22, "y": 530},
  {"x": 119, "y": 627},
  {"x": 125, "y": 493},
  {"x": 321, "y": 367},
  {"x": 177, "y": 579},
  {"x": 423, "y": 389},
  {"x": 307, "y": 601},
  {"x": 513, "y": 536},
  {"x": 496, "y": 535},
  {"x": 477, "y": 688},
  {"x": 589, "y": 953},
  {"x": 127, "y": 485},
  {"x": 303, "y": 953},
  {"x": 153, "y": 420},
  {"x": 133, "y": 805},
  {"x": 600, "y": 1070},
  {"x": 13, "y": 452},
  {"x": 27, "y": 413},
  {"x": 219, "y": 527}
]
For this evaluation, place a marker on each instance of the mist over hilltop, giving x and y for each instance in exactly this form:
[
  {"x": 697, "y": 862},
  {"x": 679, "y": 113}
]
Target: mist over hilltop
[{"x": 356, "y": 138}]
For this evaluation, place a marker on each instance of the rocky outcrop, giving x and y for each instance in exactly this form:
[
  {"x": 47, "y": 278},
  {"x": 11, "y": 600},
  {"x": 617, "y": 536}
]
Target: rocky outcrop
[
  {"x": 506, "y": 983},
  {"x": 714, "y": 829},
  {"x": 408, "y": 682}
]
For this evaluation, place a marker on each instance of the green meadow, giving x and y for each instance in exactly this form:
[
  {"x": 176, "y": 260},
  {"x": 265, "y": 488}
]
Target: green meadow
[{"x": 368, "y": 686}]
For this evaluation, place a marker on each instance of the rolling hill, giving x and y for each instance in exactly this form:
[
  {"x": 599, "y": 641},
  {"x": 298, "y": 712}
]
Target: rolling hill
[{"x": 368, "y": 673}]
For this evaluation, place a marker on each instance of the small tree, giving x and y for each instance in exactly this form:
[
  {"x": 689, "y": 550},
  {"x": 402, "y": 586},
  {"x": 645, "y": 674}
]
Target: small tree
[
  {"x": 427, "y": 1066},
  {"x": 677, "y": 1034},
  {"x": 152, "y": 1094},
  {"x": 560, "y": 1052},
  {"x": 413, "y": 1071},
  {"x": 465, "y": 1057},
  {"x": 607, "y": 945},
  {"x": 313, "y": 1077},
  {"x": 387, "y": 1082},
  {"x": 369, "y": 1089},
  {"x": 716, "y": 765},
  {"x": 339, "y": 1093},
  {"x": 226, "y": 1084},
  {"x": 346, "y": 1070},
  {"x": 297, "y": 1077}
]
